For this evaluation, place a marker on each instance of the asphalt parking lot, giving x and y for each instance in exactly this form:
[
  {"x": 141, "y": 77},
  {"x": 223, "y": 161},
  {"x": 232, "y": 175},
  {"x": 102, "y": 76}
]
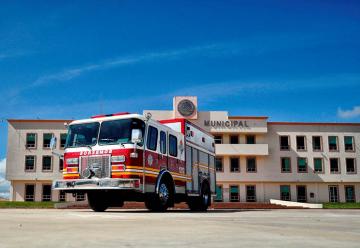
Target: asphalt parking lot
[{"x": 216, "y": 228}]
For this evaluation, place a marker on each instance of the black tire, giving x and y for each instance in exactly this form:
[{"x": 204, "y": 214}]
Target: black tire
[
  {"x": 160, "y": 201},
  {"x": 201, "y": 202},
  {"x": 98, "y": 201}
]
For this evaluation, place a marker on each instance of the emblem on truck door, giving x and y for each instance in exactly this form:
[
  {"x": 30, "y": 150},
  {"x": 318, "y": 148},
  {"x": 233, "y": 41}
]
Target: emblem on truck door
[{"x": 150, "y": 159}]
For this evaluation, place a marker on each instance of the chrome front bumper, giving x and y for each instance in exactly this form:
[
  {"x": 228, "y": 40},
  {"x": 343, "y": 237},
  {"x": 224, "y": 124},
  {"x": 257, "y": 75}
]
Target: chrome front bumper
[{"x": 97, "y": 184}]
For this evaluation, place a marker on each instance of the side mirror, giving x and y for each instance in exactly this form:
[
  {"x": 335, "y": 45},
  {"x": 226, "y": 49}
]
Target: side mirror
[
  {"x": 136, "y": 136},
  {"x": 53, "y": 143}
]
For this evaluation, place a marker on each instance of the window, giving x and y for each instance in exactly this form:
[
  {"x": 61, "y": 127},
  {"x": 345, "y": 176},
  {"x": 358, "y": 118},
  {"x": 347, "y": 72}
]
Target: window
[
  {"x": 219, "y": 193},
  {"x": 333, "y": 144},
  {"x": 46, "y": 163},
  {"x": 284, "y": 142},
  {"x": 172, "y": 145},
  {"x": 163, "y": 142},
  {"x": 46, "y": 192},
  {"x": 333, "y": 193},
  {"x": 250, "y": 164},
  {"x": 61, "y": 164},
  {"x": 80, "y": 197},
  {"x": 250, "y": 139},
  {"x": 301, "y": 193},
  {"x": 219, "y": 164},
  {"x": 317, "y": 144},
  {"x": 30, "y": 163},
  {"x": 285, "y": 194},
  {"x": 31, "y": 140},
  {"x": 63, "y": 140},
  {"x": 234, "y": 139},
  {"x": 152, "y": 138},
  {"x": 318, "y": 165},
  {"x": 250, "y": 193},
  {"x": 350, "y": 166},
  {"x": 334, "y": 165},
  {"x": 234, "y": 165},
  {"x": 218, "y": 139},
  {"x": 62, "y": 196},
  {"x": 29, "y": 192},
  {"x": 46, "y": 140},
  {"x": 302, "y": 165},
  {"x": 234, "y": 193},
  {"x": 285, "y": 165},
  {"x": 301, "y": 143},
  {"x": 349, "y": 193},
  {"x": 349, "y": 143}
]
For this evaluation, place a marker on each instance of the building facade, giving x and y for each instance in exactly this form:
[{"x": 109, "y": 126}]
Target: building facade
[
  {"x": 31, "y": 166},
  {"x": 257, "y": 160}
]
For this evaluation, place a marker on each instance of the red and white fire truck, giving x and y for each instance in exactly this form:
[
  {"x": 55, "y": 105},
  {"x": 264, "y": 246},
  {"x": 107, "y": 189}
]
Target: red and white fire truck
[{"x": 130, "y": 157}]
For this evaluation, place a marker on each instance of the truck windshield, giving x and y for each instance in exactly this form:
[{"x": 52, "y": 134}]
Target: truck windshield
[
  {"x": 82, "y": 134},
  {"x": 119, "y": 131}
]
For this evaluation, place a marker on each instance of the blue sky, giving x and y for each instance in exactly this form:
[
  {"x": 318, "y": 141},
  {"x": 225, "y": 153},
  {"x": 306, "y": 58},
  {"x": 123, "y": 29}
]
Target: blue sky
[{"x": 289, "y": 60}]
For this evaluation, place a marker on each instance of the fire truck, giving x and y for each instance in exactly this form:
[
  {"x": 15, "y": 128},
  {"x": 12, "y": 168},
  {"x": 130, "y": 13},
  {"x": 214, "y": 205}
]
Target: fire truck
[{"x": 131, "y": 157}]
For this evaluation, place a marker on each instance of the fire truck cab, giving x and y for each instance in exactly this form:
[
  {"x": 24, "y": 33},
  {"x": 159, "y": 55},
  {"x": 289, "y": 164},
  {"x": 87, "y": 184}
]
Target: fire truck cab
[{"x": 130, "y": 157}]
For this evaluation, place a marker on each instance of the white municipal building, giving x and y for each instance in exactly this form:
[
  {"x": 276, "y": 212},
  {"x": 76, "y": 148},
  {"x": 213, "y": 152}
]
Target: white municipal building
[{"x": 257, "y": 160}]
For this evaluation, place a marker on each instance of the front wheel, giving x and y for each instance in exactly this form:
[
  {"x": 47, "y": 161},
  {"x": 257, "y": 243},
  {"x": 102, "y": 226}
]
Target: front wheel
[
  {"x": 159, "y": 201},
  {"x": 98, "y": 201}
]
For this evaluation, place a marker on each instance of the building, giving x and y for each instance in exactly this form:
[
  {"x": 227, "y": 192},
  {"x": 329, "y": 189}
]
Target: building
[
  {"x": 257, "y": 160},
  {"x": 31, "y": 167}
]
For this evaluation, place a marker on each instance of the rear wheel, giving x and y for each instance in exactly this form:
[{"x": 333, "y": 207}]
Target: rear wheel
[
  {"x": 98, "y": 201},
  {"x": 201, "y": 202}
]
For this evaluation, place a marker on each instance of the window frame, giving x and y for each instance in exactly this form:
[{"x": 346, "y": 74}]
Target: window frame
[
  {"x": 149, "y": 138},
  {"x": 247, "y": 165},
  {"x": 306, "y": 165},
  {"x": 163, "y": 148},
  {"x": 222, "y": 193},
  {"x": 238, "y": 164},
  {"x": 51, "y": 163},
  {"x": 281, "y": 166},
  {"x": 285, "y": 185},
  {"x": 42, "y": 192},
  {"x": 176, "y": 139},
  {"x": 353, "y": 144},
  {"x": 322, "y": 165},
  {"x": 247, "y": 137},
  {"x": 246, "y": 193},
  {"x": 60, "y": 198},
  {"x": 216, "y": 138},
  {"x": 34, "y": 169},
  {"x": 238, "y": 193},
  {"x": 34, "y": 194},
  {"x": 289, "y": 143},
  {"x": 321, "y": 143},
  {"x": 338, "y": 193},
  {"x": 354, "y": 193},
  {"x": 60, "y": 146},
  {"x": 305, "y": 144},
  {"x": 233, "y": 136},
  {"x": 337, "y": 143},
  {"x": 26, "y": 141},
  {"x": 222, "y": 164},
  {"x": 43, "y": 140},
  {"x": 338, "y": 166},
  {"x": 297, "y": 192},
  {"x": 346, "y": 166}
]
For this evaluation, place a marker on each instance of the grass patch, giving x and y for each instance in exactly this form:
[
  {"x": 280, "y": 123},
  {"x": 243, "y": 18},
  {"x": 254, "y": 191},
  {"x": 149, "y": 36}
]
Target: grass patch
[
  {"x": 10, "y": 204},
  {"x": 347, "y": 205}
]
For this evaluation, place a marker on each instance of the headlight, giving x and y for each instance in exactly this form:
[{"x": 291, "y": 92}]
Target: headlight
[
  {"x": 72, "y": 161},
  {"x": 118, "y": 159}
]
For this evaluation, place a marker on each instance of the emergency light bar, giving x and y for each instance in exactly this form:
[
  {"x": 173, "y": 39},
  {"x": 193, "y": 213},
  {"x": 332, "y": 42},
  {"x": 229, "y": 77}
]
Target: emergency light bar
[{"x": 108, "y": 115}]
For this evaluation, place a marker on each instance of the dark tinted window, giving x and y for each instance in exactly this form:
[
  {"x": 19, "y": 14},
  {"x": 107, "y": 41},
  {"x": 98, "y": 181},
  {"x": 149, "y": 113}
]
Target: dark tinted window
[
  {"x": 152, "y": 138},
  {"x": 163, "y": 142},
  {"x": 172, "y": 145}
]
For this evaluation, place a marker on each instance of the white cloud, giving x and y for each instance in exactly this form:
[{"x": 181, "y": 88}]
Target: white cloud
[
  {"x": 348, "y": 114},
  {"x": 4, "y": 184}
]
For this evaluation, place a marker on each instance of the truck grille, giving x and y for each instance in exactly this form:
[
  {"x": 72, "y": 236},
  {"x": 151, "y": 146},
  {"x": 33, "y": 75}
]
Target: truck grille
[{"x": 100, "y": 165}]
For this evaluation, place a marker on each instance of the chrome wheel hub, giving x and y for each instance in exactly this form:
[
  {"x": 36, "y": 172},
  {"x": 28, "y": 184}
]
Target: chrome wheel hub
[{"x": 163, "y": 193}]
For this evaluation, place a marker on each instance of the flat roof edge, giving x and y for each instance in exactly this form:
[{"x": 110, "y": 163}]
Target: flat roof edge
[{"x": 36, "y": 121}]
